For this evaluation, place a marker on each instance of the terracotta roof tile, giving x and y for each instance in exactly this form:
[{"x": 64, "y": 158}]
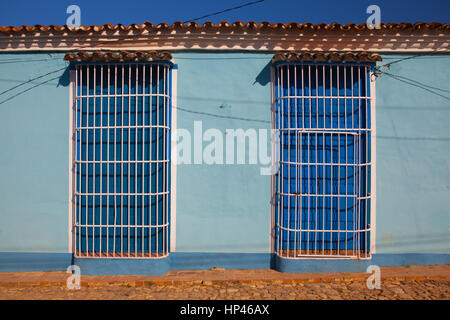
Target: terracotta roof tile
[
  {"x": 237, "y": 25},
  {"x": 326, "y": 56},
  {"x": 118, "y": 56}
]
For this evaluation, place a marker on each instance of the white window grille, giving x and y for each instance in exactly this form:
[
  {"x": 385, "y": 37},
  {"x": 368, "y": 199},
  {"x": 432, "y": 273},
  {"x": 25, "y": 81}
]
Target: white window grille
[
  {"x": 121, "y": 159},
  {"x": 322, "y": 195}
]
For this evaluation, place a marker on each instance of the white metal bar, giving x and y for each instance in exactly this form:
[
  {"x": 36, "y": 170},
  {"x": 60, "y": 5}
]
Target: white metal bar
[
  {"x": 150, "y": 156},
  {"x": 80, "y": 101},
  {"x": 366, "y": 160},
  {"x": 157, "y": 157},
  {"x": 360, "y": 159},
  {"x": 94, "y": 154},
  {"x": 316, "y": 147},
  {"x": 87, "y": 157},
  {"x": 309, "y": 188},
  {"x": 297, "y": 184},
  {"x": 165, "y": 172},
  {"x": 137, "y": 95},
  {"x": 331, "y": 169},
  {"x": 101, "y": 156},
  {"x": 129, "y": 163},
  {"x": 329, "y": 130},
  {"x": 280, "y": 181},
  {"x": 339, "y": 169},
  {"x": 315, "y": 230},
  {"x": 122, "y": 127},
  {"x": 122, "y": 225},
  {"x": 324, "y": 182},
  {"x": 143, "y": 165},
  {"x": 300, "y": 134},
  {"x": 280, "y": 200},
  {"x": 123, "y": 161},
  {"x": 115, "y": 157},
  {"x": 289, "y": 166},
  {"x": 122, "y": 157},
  {"x": 326, "y": 163},
  {"x": 317, "y": 95},
  {"x": 301, "y": 157},
  {"x": 107, "y": 157},
  {"x": 310, "y": 108},
  {"x": 135, "y": 158}
]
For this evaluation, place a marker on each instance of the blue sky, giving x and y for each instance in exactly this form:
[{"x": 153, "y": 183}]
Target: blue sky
[{"x": 20, "y": 12}]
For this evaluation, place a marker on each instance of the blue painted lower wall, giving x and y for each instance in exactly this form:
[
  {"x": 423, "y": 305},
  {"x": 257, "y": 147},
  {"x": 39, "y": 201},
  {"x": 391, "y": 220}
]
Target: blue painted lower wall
[
  {"x": 34, "y": 261},
  {"x": 354, "y": 265},
  {"x": 150, "y": 267},
  {"x": 199, "y": 260},
  {"x": 19, "y": 261}
]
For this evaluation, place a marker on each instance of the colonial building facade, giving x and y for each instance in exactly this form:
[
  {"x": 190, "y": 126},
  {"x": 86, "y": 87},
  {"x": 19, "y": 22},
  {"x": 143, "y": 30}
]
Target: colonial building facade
[{"x": 294, "y": 146}]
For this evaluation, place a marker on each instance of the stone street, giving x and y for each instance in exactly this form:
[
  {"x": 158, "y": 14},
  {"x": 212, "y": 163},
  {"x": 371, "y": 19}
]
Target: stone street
[
  {"x": 390, "y": 289},
  {"x": 411, "y": 282}
]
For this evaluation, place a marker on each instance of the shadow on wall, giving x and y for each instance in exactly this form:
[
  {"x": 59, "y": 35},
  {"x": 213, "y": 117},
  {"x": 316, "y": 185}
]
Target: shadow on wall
[
  {"x": 263, "y": 78},
  {"x": 63, "y": 80}
]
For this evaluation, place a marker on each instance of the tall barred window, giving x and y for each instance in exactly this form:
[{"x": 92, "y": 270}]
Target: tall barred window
[
  {"x": 322, "y": 191},
  {"x": 121, "y": 159}
]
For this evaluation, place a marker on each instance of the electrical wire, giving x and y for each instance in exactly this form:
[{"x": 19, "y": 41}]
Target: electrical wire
[
  {"x": 226, "y": 10},
  {"x": 28, "y": 89},
  {"x": 221, "y": 116},
  {"x": 387, "y": 65},
  {"x": 415, "y": 84},
  {"x": 27, "y": 60},
  {"x": 28, "y": 81}
]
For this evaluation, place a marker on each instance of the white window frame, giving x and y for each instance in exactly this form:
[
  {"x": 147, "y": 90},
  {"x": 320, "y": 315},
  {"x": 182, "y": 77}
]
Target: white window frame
[
  {"x": 272, "y": 233},
  {"x": 71, "y": 169}
]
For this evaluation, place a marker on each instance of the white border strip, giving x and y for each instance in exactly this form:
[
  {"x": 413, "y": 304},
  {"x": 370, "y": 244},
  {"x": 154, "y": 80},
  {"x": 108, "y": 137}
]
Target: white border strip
[
  {"x": 373, "y": 175},
  {"x": 71, "y": 167},
  {"x": 272, "y": 177},
  {"x": 173, "y": 174}
]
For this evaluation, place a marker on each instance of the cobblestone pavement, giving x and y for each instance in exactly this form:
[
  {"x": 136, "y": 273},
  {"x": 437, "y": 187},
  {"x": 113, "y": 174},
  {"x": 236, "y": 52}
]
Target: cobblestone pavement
[{"x": 390, "y": 289}]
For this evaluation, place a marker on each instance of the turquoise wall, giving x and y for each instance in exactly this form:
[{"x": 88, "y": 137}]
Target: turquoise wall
[
  {"x": 34, "y": 144},
  {"x": 220, "y": 207},
  {"x": 225, "y": 208},
  {"x": 413, "y": 156}
]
